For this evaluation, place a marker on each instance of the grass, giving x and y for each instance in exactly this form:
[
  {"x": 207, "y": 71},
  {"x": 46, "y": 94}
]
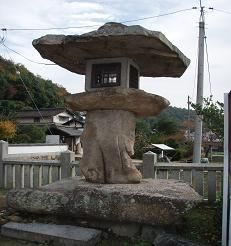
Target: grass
[
  {"x": 4, "y": 241},
  {"x": 203, "y": 224},
  {"x": 3, "y": 191},
  {"x": 123, "y": 242}
]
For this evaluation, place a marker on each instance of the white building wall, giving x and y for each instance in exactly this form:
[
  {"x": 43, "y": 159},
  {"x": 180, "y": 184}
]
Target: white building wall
[
  {"x": 58, "y": 118},
  {"x": 36, "y": 149}
]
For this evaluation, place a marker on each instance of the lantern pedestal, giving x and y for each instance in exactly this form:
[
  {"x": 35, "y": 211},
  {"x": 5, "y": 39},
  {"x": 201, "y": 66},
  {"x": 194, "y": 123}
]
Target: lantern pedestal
[
  {"x": 108, "y": 141},
  {"x": 109, "y": 132}
]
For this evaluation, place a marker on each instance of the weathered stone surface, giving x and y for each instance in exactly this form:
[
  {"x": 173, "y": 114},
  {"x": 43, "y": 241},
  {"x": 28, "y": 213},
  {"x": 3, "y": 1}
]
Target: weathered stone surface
[
  {"x": 108, "y": 140},
  {"x": 137, "y": 101},
  {"x": 60, "y": 235},
  {"x": 153, "y": 201},
  {"x": 151, "y": 50}
]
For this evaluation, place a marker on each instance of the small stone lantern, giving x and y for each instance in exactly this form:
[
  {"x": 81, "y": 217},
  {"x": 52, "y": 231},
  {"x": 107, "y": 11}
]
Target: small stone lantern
[
  {"x": 113, "y": 58},
  {"x": 111, "y": 72}
]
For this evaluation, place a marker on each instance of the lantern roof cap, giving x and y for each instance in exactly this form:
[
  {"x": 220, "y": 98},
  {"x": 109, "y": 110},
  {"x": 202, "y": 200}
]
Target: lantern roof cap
[{"x": 155, "y": 55}]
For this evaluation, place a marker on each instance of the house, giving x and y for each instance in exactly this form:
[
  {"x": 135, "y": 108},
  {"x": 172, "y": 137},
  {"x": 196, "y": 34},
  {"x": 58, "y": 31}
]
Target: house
[
  {"x": 44, "y": 116},
  {"x": 63, "y": 125},
  {"x": 66, "y": 134}
]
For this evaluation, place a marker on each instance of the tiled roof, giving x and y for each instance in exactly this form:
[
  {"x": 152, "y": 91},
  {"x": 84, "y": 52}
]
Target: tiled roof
[
  {"x": 66, "y": 131},
  {"x": 45, "y": 112}
]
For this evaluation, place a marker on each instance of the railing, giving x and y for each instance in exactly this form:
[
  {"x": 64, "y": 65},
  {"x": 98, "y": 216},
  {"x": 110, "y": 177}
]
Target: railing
[
  {"x": 206, "y": 179},
  {"x": 17, "y": 172},
  {"x": 33, "y": 174}
]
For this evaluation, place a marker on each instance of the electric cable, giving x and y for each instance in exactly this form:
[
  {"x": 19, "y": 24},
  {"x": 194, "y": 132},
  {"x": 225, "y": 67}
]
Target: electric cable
[
  {"x": 89, "y": 26},
  {"x": 16, "y": 52},
  {"x": 36, "y": 107},
  {"x": 208, "y": 66},
  {"x": 27, "y": 90},
  {"x": 222, "y": 11},
  {"x": 195, "y": 74}
]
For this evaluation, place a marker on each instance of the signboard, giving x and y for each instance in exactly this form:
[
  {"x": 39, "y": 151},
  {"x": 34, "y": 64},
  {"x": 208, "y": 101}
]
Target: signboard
[{"x": 226, "y": 216}]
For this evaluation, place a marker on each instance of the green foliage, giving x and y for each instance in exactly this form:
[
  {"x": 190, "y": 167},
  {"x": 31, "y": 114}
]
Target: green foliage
[
  {"x": 14, "y": 96},
  {"x": 9, "y": 107},
  {"x": 203, "y": 224},
  {"x": 115, "y": 241},
  {"x": 171, "y": 113},
  {"x": 212, "y": 114},
  {"x": 159, "y": 132},
  {"x": 142, "y": 138},
  {"x": 30, "y": 134},
  {"x": 183, "y": 151},
  {"x": 166, "y": 126}
]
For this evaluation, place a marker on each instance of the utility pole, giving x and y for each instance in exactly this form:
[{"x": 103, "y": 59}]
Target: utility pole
[
  {"x": 200, "y": 82},
  {"x": 188, "y": 125}
]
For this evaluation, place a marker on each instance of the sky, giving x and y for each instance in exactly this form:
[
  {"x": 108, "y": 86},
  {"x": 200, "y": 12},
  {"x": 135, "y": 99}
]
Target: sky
[{"x": 180, "y": 28}]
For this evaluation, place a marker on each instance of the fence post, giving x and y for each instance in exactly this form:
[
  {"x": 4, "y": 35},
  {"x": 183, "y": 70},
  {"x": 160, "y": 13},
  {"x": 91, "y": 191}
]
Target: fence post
[
  {"x": 66, "y": 158},
  {"x": 3, "y": 155},
  {"x": 149, "y": 161}
]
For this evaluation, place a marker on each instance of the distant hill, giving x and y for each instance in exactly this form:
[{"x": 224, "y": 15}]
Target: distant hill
[
  {"x": 178, "y": 115},
  {"x": 14, "y": 95}
]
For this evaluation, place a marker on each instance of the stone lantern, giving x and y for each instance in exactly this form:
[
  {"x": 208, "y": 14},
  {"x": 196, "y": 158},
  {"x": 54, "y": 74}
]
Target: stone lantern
[{"x": 112, "y": 59}]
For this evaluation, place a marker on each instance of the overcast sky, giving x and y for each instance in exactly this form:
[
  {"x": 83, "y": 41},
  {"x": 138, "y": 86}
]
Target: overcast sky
[{"x": 181, "y": 29}]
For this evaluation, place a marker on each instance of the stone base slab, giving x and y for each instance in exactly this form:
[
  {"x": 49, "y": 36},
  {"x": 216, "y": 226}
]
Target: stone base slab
[
  {"x": 153, "y": 201},
  {"x": 60, "y": 235}
]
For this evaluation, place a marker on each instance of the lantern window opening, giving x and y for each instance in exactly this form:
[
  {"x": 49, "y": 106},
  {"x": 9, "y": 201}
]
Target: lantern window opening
[{"x": 104, "y": 75}]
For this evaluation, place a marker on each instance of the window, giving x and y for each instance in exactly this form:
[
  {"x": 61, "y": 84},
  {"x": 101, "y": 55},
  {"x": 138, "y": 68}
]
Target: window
[
  {"x": 105, "y": 75},
  {"x": 133, "y": 78},
  {"x": 37, "y": 120},
  {"x": 63, "y": 118}
]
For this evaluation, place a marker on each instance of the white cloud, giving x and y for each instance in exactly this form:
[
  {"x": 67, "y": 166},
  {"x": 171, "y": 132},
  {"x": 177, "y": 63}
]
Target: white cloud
[{"x": 181, "y": 29}]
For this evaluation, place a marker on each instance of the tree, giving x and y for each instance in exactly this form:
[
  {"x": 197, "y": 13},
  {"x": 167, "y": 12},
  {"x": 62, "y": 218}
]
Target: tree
[
  {"x": 14, "y": 96},
  {"x": 7, "y": 129},
  {"x": 212, "y": 114},
  {"x": 30, "y": 134},
  {"x": 142, "y": 138},
  {"x": 165, "y": 126}
]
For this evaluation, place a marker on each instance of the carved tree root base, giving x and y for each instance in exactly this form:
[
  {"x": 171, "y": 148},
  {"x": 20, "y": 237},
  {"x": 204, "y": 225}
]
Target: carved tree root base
[{"x": 108, "y": 141}]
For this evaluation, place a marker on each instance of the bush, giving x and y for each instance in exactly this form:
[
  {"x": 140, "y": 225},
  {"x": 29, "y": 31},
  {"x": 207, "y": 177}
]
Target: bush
[{"x": 30, "y": 134}]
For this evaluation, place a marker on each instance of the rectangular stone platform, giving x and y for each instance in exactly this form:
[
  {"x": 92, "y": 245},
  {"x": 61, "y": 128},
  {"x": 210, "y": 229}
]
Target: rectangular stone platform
[
  {"x": 60, "y": 235},
  {"x": 153, "y": 201}
]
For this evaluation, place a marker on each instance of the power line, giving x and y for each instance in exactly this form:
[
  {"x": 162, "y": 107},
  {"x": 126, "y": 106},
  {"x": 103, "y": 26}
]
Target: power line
[
  {"x": 27, "y": 90},
  {"x": 36, "y": 107},
  {"x": 152, "y": 17},
  {"x": 62, "y": 28},
  {"x": 208, "y": 66},
  {"x": 16, "y": 52},
  {"x": 195, "y": 74},
  {"x": 89, "y": 26},
  {"x": 222, "y": 11}
]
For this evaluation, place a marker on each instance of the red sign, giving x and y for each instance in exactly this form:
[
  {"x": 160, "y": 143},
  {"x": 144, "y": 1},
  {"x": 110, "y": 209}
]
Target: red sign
[{"x": 229, "y": 121}]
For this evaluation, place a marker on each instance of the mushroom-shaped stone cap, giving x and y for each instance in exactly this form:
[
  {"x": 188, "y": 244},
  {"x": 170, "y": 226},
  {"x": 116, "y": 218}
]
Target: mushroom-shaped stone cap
[
  {"x": 155, "y": 55},
  {"x": 141, "y": 103}
]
